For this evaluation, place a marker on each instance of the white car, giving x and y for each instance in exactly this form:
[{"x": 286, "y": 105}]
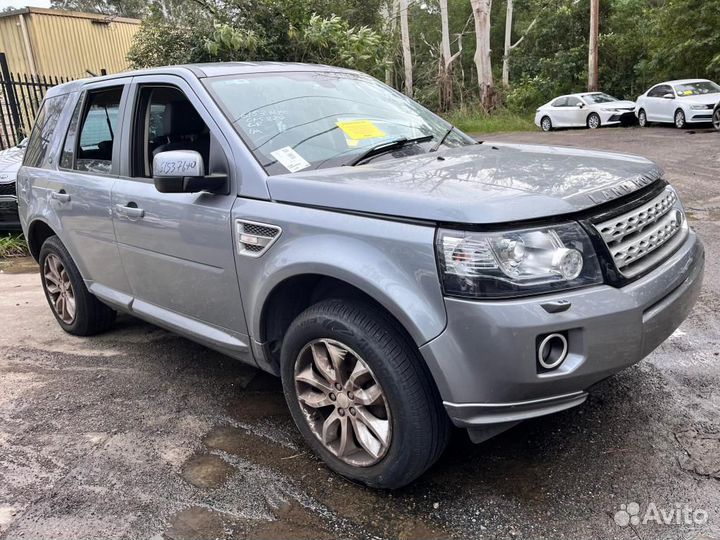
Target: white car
[
  {"x": 591, "y": 109},
  {"x": 10, "y": 161},
  {"x": 681, "y": 103}
]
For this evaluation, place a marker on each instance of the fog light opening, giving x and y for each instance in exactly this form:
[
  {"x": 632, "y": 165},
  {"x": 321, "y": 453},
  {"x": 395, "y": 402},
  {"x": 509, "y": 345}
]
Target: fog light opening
[{"x": 552, "y": 351}]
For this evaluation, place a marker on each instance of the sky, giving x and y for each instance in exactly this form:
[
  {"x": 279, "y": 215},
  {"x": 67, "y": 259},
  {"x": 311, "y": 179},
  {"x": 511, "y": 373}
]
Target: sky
[{"x": 23, "y": 3}]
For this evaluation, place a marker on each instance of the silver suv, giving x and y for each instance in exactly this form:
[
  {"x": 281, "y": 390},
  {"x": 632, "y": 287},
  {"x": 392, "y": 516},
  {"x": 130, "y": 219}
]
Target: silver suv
[{"x": 397, "y": 275}]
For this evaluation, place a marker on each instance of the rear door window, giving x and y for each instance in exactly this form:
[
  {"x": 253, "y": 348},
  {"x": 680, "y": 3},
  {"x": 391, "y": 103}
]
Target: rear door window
[
  {"x": 41, "y": 138},
  {"x": 96, "y": 139}
]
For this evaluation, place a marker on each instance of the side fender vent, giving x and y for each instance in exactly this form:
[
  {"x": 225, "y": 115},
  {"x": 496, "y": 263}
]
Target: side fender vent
[{"x": 254, "y": 239}]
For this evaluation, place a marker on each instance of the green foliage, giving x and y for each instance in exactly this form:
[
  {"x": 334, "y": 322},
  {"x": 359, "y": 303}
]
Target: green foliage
[
  {"x": 12, "y": 245},
  {"x": 159, "y": 43},
  {"x": 471, "y": 118},
  {"x": 228, "y": 43}
]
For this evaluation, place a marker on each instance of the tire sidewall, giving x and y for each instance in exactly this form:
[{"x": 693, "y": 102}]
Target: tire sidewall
[
  {"x": 642, "y": 114},
  {"x": 316, "y": 325},
  {"x": 716, "y": 119},
  {"x": 542, "y": 124}
]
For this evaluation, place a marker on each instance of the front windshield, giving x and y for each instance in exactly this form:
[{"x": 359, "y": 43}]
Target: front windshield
[
  {"x": 697, "y": 88},
  {"x": 594, "y": 99},
  {"x": 293, "y": 121}
]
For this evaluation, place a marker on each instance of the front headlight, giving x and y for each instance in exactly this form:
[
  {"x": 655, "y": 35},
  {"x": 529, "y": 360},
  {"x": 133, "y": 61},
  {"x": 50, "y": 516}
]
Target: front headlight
[
  {"x": 516, "y": 263},
  {"x": 6, "y": 178},
  {"x": 698, "y": 107},
  {"x": 607, "y": 109}
]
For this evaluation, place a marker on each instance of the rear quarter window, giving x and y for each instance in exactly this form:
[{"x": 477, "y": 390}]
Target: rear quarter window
[{"x": 42, "y": 133}]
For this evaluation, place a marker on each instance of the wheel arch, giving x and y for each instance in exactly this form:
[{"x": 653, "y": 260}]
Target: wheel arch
[{"x": 38, "y": 231}]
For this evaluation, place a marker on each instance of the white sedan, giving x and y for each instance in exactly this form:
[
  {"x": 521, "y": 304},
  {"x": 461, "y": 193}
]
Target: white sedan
[
  {"x": 678, "y": 102},
  {"x": 592, "y": 110}
]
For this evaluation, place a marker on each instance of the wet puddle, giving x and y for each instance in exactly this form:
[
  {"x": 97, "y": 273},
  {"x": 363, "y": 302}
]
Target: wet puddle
[{"x": 262, "y": 415}]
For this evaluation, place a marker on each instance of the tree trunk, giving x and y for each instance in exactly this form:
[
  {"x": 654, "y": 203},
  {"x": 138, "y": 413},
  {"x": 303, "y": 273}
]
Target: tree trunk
[
  {"x": 445, "y": 66},
  {"x": 508, "y": 44},
  {"x": 392, "y": 10},
  {"x": 481, "y": 13},
  {"x": 593, "y": 55},
  {"x": 407, "y": 56}
]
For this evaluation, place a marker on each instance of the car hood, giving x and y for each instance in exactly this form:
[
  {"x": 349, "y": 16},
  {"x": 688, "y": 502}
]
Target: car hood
[
  {"x": 479, "y": 184},
  {"x": 616, "y": 105},
  {"x": 11, "y": 159},
  {"x": 708, "y": 99}
]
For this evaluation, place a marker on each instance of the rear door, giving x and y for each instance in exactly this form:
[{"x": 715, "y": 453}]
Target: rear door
[
  {"x": 79, "y": 187},
  {"x": 177, "y": 248}
]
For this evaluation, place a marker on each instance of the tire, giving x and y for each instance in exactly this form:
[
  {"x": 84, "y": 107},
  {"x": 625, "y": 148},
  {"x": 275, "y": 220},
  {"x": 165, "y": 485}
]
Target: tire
[
  {"x": 593, "y": 121},
  {"x": 408, "y": 411},
  {"x": 716, "y": 119},
  {"x": 642, "y": 118},
  {"x": 76, "y": 310},
  {"x": 546, "y": 124},
  {"x": 680, "y": 120}
]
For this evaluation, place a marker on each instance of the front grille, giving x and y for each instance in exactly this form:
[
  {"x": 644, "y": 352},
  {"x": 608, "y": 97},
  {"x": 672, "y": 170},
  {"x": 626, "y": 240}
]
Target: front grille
[
  {"x": 643, "y": 237},
  {"x": 7, "y": 189}
]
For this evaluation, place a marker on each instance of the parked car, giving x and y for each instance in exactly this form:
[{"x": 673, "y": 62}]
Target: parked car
[
  {"x": 716, "y": 117},
  {"x": 681, "y": 103},
  {"x": 591, "y": 110},
  {"x": 397, "y": 275},
  {"x": 10, "y": 161}
]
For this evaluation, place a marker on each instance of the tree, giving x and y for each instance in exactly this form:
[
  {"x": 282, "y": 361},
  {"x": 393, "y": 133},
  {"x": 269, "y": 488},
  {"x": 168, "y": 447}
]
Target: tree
[
  {"x": 405, "y": 41},
  {"x": 593, "y": 53},
  {"x": 483, "y": 63},
  {"x": 445, "y": 79}
]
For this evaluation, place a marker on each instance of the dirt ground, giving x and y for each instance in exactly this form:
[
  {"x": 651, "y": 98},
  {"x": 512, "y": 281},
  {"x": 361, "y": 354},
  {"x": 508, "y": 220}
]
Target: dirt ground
[{"x": 141, "y": 434}]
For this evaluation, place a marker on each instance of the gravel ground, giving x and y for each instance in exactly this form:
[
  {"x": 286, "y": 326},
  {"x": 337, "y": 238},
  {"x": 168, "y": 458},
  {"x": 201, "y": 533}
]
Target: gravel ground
[{"x": 141, "y": 434}]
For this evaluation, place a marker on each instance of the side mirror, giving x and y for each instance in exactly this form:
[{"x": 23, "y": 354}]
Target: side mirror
[
  {"x": 669, "y": 96},
  {"x": 582, "y": 105},
  {"x": 183, "y": 171}
]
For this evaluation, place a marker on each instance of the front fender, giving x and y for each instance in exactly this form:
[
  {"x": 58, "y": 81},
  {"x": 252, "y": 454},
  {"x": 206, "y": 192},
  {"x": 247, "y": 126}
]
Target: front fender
[{"x": 393, "y": 262}]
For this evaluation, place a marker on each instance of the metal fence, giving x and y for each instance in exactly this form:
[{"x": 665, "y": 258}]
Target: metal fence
[{"x": 20, "y": 98}]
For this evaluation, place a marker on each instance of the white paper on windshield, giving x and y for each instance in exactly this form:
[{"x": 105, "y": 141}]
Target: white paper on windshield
[{"x": 290, "y": 159}]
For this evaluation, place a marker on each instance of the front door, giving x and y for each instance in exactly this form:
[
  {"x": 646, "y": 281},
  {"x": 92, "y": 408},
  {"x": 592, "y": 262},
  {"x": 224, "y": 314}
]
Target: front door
[{"x": 177, "y": 248}]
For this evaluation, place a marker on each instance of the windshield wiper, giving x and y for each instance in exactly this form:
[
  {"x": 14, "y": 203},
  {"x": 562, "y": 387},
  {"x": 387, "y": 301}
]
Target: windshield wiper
[
  {"x": 442, "y": 140},
  {"x": 387, "y": 146}
]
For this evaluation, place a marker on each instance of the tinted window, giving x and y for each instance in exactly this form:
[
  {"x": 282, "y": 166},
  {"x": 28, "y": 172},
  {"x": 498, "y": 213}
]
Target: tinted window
[
  {"x": 573, "y": 102},
  {"x": 67, "y": 159},
  {"x": 560, "y": 102},
  {"x": 595, "y": 99},
  {"x": 41, "y": 137},
  {"x": 94, "y": 148},
  {"x": 166, "y": 120}
]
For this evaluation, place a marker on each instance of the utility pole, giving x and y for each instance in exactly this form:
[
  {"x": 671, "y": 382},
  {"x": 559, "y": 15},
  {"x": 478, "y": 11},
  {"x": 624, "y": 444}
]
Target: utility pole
[{"x": 593, "y": 56}]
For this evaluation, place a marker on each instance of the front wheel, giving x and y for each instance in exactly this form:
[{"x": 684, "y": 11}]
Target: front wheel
[
  {"x": 360, "y": 394},
  {"x": 716, "y": 119},
  {"x": 593, "y": 121},
  {"x": 546, "y": 124},
  {"x": 642, "y": 119},
  {"x": 76, "y": 310},
  {"x": 680, "y": 121}
]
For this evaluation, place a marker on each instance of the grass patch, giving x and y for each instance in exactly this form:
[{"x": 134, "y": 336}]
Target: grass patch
[
  {"x": 13, "y": 245},
  {"x": 474, "y": 120}
]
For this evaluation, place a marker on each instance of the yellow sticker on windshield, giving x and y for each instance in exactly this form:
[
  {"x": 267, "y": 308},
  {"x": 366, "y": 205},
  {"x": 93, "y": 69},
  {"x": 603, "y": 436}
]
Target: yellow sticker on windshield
[{"x": 360, "y": 129}]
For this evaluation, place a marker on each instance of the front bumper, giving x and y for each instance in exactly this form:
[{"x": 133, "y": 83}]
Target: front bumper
[
  {"x": 9, "y": 219},
  {"x": 484, "y": 363},
  {"x": 619, "y": 117}
]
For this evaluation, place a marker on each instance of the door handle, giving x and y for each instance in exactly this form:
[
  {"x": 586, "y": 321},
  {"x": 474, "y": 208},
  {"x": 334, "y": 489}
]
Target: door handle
[
  {"x": 132, "y": 212},
  {"x": 60, "y": 196}
]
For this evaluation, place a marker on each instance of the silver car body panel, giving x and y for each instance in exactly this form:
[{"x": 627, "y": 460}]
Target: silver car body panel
[{"x": 178, "y": 265}]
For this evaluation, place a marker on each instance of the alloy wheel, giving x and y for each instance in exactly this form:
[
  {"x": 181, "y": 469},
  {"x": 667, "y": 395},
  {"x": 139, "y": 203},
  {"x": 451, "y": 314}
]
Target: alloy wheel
[
  {"x": 343, "y": 403},
  {"x": 680, "y": 120},
  {"x": 594, "y": 121},
  {"x": 59, "y": 288},
  {"x": 716, "y": 119},
  {"x": 546, "y": 124},
  {"x": 642, "y": 119}
]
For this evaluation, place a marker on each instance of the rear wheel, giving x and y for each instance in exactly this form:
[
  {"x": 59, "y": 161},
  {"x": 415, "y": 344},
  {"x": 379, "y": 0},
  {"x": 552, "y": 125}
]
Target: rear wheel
[
  {"x": 360, "y": 395},
  {"x": 716, "y": 119},
  {"x": 546, "y": 124},
  {"x": 76, "y": 310},
  {"x": 593, "y": 121},
  {"x": 642, "y": 118},
  {"x": 680, "y": 121}
]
